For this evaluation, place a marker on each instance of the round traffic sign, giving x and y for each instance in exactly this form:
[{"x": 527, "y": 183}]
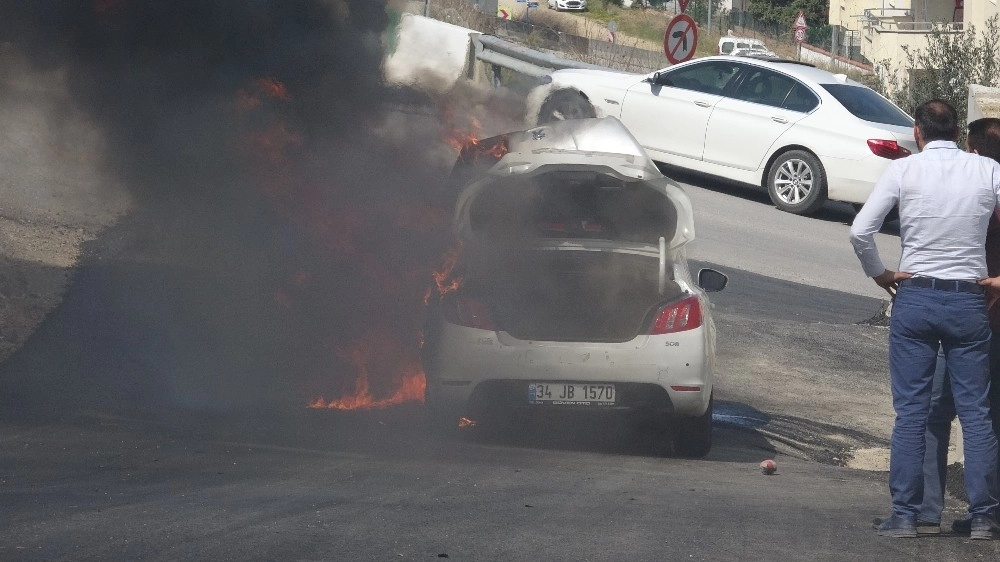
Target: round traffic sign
[
  {"x": 800, "y": 35},
  {"x": 612, "y": 26},
  {"x": 680, "y": 39}
]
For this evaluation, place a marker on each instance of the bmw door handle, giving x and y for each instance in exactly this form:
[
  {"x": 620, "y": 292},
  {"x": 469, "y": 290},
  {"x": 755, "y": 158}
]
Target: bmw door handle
[
  {"x": 702, "y": 104},
  {"x": 781, "y": 120}
]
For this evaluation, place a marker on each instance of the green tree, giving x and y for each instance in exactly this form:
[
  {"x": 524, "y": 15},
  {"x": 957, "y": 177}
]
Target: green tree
[
  {"x": 783, "y": 12},
  {"x": 698, "y": 9},
  {"x": 945, "y": 68}
]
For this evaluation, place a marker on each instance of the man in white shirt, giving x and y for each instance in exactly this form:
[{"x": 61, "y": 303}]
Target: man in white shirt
[{"x": 945, "y": 197}]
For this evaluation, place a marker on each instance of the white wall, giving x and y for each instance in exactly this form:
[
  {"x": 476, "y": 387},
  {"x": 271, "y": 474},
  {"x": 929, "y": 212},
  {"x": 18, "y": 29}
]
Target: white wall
[{"x": 430, "y": 55}]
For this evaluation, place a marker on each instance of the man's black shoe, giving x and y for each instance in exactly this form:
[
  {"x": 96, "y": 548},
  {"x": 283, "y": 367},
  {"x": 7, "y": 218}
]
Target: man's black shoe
[
  {"x": 896, "y": 526},
  {"x": 923, "y": 527},
  {"x": 982, "y": 527}
]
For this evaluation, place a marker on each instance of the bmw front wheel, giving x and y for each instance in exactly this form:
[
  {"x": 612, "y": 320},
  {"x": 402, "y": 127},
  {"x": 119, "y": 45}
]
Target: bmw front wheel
[
  {"x": 796, "y": 182},
  {"x": 565, "y": 104}
]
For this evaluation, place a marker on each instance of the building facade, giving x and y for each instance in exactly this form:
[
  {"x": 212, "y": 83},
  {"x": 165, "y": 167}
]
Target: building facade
[{"x": 879, "y": 31}]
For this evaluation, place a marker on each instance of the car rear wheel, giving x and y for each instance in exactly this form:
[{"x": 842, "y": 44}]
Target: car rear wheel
[
  {"x": 565, "y": 104},
  {"x": 440, "y": 419},
  {"x": 693, "y": 437},
  {"x": 796, "y": 182}
]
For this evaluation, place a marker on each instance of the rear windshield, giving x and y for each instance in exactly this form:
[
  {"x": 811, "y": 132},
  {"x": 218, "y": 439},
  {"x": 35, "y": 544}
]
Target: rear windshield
[
  {"x": 574, "y": 205},
  {"x": 865, "y": 104}
]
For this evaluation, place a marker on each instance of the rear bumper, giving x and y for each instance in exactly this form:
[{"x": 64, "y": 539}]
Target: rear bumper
[{"x": 468, "y": 367}]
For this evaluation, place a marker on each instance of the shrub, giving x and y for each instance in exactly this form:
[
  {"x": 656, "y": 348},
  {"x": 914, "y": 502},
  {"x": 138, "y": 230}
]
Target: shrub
[{"x": 945, "y": 68}]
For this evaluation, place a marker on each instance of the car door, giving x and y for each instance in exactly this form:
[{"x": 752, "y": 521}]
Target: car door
[
  {"x": 668, "y": 114},
  {"x": 744, "y": 126}
]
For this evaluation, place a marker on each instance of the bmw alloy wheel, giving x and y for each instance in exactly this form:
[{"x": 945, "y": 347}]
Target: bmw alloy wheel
[
  {"x": 797, "y": 182},
  {"x": 793, "y": 182}
]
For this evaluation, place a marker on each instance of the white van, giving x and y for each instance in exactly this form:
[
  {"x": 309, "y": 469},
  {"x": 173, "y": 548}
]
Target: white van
[{"x": 744, "y": 46}]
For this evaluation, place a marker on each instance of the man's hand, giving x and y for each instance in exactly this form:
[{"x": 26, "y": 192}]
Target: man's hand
[
  {"x": 889, "y": 280},
  {"x": 992, "y": 285}
]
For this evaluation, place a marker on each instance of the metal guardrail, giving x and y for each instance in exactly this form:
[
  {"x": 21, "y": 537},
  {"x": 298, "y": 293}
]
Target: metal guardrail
[{"x": 497, "y": 52}]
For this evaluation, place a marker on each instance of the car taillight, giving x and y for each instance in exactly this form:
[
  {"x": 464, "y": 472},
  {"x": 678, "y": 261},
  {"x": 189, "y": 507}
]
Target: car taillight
[
  {"x": 467, "y": 312},
  {"x": 887, "y": 149},
  {"x": 682, "y": 315}
]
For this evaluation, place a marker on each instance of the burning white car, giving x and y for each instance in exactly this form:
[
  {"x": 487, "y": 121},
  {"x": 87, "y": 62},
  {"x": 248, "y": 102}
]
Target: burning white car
[{"x": 571, "y": 291}]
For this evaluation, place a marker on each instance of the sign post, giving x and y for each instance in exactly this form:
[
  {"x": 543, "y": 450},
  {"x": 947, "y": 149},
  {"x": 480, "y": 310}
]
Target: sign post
[
  {"x": 680, "y": 39},
  {"x": 527, "y": 10},
  {"x": 800, "y": 31}
]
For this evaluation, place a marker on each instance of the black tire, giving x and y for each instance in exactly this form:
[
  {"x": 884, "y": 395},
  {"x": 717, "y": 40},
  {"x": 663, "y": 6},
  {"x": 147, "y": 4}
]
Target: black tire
[
  {"x": 440, "y": 420},
  {"x": 693, "y": 437},
  {"x": 796, "y": 182},
  {"x": 565, "y": 104}
]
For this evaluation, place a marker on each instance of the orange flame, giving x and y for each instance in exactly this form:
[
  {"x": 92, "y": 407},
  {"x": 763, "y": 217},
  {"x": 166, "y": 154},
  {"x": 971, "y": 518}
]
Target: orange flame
[
  {"x": 276, "y": 147},
  {"x": 273, "y": 88},
  {"x": 442, "y": 277},
  {"x": 411, "y": 387},
  {"x": 458, "y": 138},
  {"x": 263, "y": 89},
  {"x": 465, "y": 139}
]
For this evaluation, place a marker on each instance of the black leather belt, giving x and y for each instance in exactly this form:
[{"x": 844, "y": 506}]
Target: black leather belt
[{"x": 953, "y": 285}]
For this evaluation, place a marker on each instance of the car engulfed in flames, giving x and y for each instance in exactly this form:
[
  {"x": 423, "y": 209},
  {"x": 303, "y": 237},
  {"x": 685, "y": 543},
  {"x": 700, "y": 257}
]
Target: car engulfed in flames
[{"x": 572, "y": 289}]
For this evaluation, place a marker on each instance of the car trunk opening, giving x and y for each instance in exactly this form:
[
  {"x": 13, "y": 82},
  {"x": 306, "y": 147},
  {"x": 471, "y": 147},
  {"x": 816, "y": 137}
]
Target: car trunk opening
[{"x": 569, "y": 256}]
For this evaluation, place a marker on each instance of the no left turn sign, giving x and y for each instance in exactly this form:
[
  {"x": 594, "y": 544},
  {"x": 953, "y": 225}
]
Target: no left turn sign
[{"x": 680, "y": 39}]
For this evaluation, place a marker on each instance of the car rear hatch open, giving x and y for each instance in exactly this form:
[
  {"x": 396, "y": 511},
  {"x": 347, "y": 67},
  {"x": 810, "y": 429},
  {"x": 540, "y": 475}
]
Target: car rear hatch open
[{"x": 575, "y": 246}]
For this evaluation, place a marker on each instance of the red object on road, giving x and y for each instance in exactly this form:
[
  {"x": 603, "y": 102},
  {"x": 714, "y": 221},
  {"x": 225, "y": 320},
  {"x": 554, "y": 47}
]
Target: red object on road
[{"x": 768, "y": 467}]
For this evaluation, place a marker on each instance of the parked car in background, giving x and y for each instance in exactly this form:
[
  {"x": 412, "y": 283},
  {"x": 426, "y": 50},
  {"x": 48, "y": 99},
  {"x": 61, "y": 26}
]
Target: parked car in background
[
  {"x": 573, "y": 289},
  {"x": 730, "y": 45},
  {"x": 804, "y": 134},
  {"x": 568, "y": 5}
]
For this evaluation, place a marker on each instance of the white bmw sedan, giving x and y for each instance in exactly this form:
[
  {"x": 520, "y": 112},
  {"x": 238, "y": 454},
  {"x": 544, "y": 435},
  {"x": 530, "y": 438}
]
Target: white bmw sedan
[
  {"x": 572, "y": 292},
  {"x": 803, "y": 134}
]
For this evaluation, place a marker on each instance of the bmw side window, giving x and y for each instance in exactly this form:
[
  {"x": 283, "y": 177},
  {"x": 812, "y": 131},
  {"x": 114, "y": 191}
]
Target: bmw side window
[
  {"x": 800, "y": 99},
  {"x": 710, "y": 78},
  {"x": 765, "y": 87}
]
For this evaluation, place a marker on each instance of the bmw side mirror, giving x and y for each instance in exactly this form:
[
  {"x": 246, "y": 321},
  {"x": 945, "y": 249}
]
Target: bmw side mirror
[{"x": 711, "y": 280}]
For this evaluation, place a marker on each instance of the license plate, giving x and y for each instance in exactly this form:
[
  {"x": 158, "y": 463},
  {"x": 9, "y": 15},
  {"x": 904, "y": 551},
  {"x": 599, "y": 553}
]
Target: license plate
[{"x": 571, "y": 394}]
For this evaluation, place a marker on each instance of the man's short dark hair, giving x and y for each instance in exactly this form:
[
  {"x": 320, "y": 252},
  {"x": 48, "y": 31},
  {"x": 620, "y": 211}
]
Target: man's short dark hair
[
  {"x": 984, "y": 137},
  {"x": 937, "y": 120}
]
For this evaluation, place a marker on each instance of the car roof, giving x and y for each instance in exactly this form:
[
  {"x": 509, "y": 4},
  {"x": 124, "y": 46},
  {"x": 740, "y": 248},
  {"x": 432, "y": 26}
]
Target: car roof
[{"x": 797, "y": 69}]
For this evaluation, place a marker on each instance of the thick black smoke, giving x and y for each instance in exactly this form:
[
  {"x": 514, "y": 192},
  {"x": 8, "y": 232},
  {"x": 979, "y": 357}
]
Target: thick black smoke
[{"x": 275, "y": 244}]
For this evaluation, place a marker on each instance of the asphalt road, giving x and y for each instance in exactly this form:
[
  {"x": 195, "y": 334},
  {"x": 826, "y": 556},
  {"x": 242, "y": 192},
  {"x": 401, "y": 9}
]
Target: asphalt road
[{"x": 369, "y": 486}]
